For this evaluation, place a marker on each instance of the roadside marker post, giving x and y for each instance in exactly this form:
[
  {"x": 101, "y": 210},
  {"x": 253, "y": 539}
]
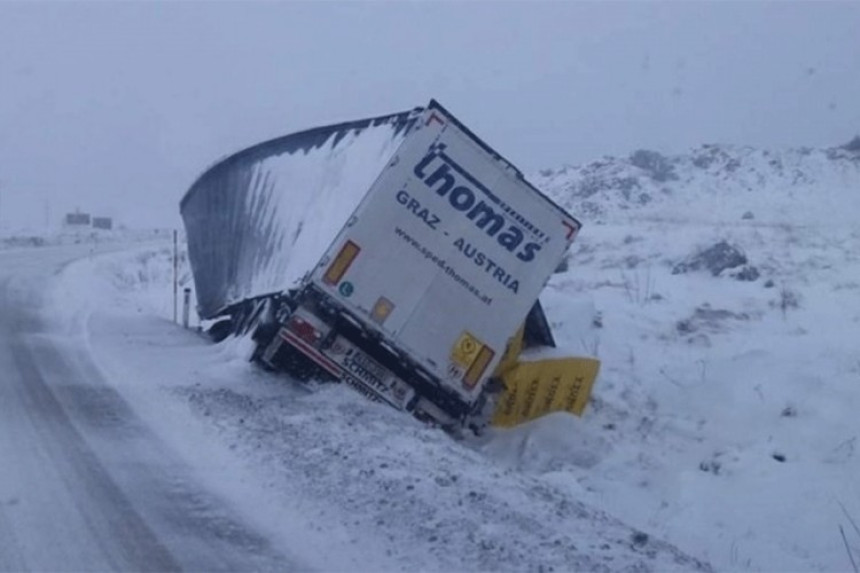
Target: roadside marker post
[
  {"x": 186, "y": 306},
  {"x": 175, "y": 274}
]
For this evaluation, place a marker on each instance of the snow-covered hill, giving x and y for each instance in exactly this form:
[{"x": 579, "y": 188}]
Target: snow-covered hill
[
  {"x": 714, "y": 183},
  {"x": 720, "y": 289}
]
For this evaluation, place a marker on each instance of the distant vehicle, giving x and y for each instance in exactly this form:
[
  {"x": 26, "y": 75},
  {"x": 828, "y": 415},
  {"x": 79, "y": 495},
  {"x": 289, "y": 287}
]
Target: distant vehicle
[{"x": 419, "y": 288}]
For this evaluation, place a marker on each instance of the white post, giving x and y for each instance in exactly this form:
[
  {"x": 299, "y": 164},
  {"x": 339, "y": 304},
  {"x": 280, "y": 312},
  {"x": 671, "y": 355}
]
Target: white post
[
  {"x": 175, "y": 275},
  {"x": 186, "y": 306}
]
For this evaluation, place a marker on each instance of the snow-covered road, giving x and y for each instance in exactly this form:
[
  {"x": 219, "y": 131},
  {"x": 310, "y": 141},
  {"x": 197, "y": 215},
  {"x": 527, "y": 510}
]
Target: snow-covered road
[{"x": 85, "y": 484}]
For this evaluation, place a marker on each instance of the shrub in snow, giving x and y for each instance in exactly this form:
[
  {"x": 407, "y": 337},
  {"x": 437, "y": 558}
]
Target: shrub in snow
[
  {"x": 24, "y": 241},
  {"x": 590, "y": 210},
  {"x": 639, "y": 538},
  {"x": 789, "y": 412},
  {"x": 788, "y": 299},
  {"x": 639, "y": 288},
  {"x": 711, "y": 466},
  {"x": 658, "y": 167},
  {"x": 703, "y": 161},
  {"x": 707, "y": 318},
  {"x": 632, "y": 261},
  {"x": 748, "y": 216},
  {"x": 685, "y": 326},
  {"x": 588, "y": 187},
  {"x": 716, "y": 259},
  {"x": 626, "y": 184},
  {"x": 747, "y": 273}
]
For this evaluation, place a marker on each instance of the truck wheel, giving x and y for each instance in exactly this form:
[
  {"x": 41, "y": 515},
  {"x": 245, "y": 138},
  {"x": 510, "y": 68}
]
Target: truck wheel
[{"x": 220, "y": 330}]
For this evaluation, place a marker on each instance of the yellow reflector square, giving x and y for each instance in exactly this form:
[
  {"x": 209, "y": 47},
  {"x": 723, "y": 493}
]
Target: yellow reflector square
[
  {"x": 341, "y": 263},
  {"x": 381, "y": 310},
  {"x": 465, "y": 350},
  {"x": 476, "y": 370}
]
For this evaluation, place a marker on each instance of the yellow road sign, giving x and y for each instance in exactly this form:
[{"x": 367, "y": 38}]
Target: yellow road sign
[{"x": 534, "y": 389}]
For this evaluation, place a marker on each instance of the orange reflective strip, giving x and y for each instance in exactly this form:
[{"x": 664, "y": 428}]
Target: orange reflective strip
[
  {"x": 476, "y": 370},
  {"x": 341, "y": 263}
]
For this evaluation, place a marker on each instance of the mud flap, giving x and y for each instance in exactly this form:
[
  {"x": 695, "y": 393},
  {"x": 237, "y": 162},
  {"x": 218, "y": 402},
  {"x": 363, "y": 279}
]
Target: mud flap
[{"x": 534, "y": 389}]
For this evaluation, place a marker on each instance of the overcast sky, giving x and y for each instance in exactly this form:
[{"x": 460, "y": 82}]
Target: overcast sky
[{"x": 116, "y": 107}]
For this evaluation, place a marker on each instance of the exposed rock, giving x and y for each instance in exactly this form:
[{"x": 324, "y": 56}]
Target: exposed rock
[
  {"x": 659, "y": 168},
  {"x": 715, "y": 259},
  {"x": 853, "y": 145}
]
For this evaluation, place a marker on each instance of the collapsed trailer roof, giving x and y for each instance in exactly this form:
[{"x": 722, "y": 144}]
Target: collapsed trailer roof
[{"x": 257, "y": 220}]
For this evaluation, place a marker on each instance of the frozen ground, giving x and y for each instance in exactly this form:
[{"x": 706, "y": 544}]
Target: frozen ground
[{"x": 724, "y": 420}]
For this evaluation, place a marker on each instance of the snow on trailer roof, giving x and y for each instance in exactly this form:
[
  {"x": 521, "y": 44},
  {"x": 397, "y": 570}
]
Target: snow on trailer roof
[
  {"x": 305, "y": 141},
  {"x": 257, "y": 220}
]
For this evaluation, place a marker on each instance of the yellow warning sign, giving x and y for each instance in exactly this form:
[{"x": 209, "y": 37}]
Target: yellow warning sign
[
  {"x": 534, "y": 389},
  {"x": 465, "y": 350}
]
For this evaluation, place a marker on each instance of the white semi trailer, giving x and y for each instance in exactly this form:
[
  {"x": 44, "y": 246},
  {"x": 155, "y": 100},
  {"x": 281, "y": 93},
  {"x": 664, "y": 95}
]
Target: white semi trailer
[{"x": 417, "y": 297}]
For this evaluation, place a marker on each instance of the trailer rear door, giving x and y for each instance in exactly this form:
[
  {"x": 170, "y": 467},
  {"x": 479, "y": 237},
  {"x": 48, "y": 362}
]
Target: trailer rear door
[{"x": 447, "y": 252}]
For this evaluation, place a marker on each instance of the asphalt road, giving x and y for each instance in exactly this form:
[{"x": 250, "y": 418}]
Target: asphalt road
[{"x": 85, "y": 485}]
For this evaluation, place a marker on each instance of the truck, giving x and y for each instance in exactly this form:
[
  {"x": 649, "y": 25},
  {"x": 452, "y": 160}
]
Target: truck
[{"x": 427, "y": 268}]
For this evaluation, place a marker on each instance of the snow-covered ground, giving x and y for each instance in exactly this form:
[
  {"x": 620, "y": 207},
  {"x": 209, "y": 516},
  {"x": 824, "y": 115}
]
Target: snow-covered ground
[
  {"x": 342, "y": 483},
  {"x": 723, "y": 423}
]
